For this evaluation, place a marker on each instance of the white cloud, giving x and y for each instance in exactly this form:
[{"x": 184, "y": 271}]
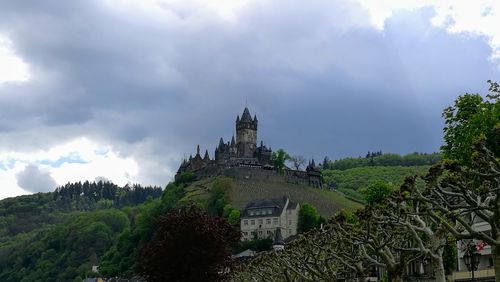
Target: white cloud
[
  {"x": 34, "y": 179},
  {"x": 12, "y": 67},
  {"x": 20, "y": 170}
]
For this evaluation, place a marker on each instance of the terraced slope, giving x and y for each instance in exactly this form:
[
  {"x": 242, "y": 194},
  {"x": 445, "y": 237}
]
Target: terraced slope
[{"x": 326, "y": 202}]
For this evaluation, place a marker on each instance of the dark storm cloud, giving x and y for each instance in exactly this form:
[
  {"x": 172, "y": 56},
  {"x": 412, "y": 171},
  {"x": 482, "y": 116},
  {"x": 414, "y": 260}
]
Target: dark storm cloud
[
  {"x": 321, "y": 80},
  {"x": 33, "y": 179}
]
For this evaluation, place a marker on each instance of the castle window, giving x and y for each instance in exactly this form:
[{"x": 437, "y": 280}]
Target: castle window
[
  {"x": 251, "y": 213},
  {"x": 261, "y": 221},
  {"x": 258, "y": 212},
  {"x": 275, "y": 220},
  {"x": 289, "y": 222},
  {"x": 245, "y": 222},
  {"x": 268, "y": 221},
  {"x": 252, "y": 222},
  {"x": 260, "y": 232},
  {"x": 269, "y": 212}
]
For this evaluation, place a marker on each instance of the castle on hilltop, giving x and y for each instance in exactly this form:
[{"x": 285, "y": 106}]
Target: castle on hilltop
[{"x": 241, "y": 158}]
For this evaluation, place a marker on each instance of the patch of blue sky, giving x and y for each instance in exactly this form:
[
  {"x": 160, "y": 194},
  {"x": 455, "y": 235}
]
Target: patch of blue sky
[
  {"x": 7, "y": 164},
  {"x": 72, "y": 158},
  {"x": 101, "y": 151}
]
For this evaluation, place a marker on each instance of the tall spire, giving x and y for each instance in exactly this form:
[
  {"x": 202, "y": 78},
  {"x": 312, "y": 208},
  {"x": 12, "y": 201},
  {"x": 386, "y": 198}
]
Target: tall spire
[
  {"x": 233, "y": 142},
  {"x": 198, "y": 149},
  {"x": 246, "y": 115},
  {"x": 221, "y": 142},
  {"x": 207, "y": 157}
]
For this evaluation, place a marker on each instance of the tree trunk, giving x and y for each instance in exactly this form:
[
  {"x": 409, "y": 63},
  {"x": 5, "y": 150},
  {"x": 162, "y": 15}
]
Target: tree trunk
[
  {"x": 395, "y": 277},
  {"x": 496, "y": 261},
  {"x": 438, "y": 267}
]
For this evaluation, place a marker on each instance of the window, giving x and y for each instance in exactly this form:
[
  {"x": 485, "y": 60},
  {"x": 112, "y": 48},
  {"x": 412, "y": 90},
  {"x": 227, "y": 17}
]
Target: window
[
  {"x": 251, "y": 213},
  {"x": 261, "y": 221},
  {"x": 275, "y": 220},
  {"x": 252, "y": 222},
  {"x": 268, "y": 221},
  {"x": 257, "y": 212},
  {"x": 269, "y": 212},
  {"x": 260, "y": 232},
  {"x": 245, "y": 222},
  {"x": 289, "y": 222}
]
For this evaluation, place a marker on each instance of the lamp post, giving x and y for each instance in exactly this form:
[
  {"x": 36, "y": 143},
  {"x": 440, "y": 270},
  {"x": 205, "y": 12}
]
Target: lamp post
[{"x": 471, "y": 260}]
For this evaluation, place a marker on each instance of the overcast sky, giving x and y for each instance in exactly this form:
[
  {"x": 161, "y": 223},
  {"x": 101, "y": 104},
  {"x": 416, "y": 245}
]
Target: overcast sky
[{"x": 124, "y": 89}]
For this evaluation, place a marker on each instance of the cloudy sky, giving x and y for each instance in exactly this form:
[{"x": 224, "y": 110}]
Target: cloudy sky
[{"x": 124, "y": 89}]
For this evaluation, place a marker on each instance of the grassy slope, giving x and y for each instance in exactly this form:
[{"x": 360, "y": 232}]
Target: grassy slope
[
  {"x": 351, "y": 180},
  {"x": 326, "y": 202}
]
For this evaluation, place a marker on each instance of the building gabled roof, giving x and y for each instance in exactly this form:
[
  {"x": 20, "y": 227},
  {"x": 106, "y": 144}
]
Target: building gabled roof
[{"x": 276, "y": 205}]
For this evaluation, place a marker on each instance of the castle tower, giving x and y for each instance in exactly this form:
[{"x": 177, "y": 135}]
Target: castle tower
[{"x": 246, "y": 135}]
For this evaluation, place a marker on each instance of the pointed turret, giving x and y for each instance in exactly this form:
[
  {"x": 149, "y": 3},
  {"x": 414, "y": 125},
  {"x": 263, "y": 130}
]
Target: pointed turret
[
  {"x": 238, "y": 118},
  {"x": 261, "y": 144},
  {"x": 190, "y": 158},
  {"x": 278, "y": 242},
  {"x": 221, "y": 143},
  {"x": 198, "y": 150},
  {"x": 246, "y": 115},
  {"x": 233, "y": 143},
  {"x": 313, "y": 164},
  {"x": 207, "y": 157},
  {"x": 255, "y": 118}
]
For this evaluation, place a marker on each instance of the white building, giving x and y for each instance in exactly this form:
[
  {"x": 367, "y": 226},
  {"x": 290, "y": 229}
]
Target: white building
[
  {"x": 485, "y": 269},
  {"x": 261, "y": 218}
]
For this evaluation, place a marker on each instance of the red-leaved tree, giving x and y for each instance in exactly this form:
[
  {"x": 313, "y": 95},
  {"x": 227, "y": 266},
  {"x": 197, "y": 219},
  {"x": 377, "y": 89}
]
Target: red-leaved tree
[{"x": 188, "y": 246}]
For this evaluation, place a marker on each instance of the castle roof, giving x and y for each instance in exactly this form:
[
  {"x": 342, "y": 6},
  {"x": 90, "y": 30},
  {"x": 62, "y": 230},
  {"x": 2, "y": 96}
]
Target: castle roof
[{"x": 246, "y": 117}]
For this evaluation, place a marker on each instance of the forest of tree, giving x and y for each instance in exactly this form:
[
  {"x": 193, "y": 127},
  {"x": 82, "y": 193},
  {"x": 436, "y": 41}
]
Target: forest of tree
[{"x": 381, "y": 159}]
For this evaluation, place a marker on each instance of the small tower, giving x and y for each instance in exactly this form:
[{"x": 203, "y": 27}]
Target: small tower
[
  {"x": 246, "y": 134},
  {"x": 278, "y": 242}
]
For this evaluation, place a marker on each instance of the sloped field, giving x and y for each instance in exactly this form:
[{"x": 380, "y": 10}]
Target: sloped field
[{"x": 326, "y": 202}]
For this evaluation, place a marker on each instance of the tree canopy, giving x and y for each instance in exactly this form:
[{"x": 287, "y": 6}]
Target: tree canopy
[
  {"x": 469, "y": 118},
  {"x": 188, "y": 246}
]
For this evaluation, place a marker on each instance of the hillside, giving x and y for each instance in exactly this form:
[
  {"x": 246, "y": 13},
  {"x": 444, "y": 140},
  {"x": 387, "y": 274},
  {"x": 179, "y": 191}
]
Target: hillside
[
  {"x": 350, "y": 181},
  {"x": 326, "y": 202}
]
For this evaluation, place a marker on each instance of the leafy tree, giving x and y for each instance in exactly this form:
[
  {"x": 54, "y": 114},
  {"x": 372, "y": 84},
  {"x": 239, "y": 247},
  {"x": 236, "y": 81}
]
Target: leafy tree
[
  {"x": 218, "y": 198},
  {"x": 309, "y": 218},
  {"x": 298, "y": 161},
  {"x": 258, "y": 245},
  {"x": 188, "y": 246},
  {"x": 279, "y": 158},
  {"x": 185, "y": 177},
  {"x": 472, "y": 117},
  {"x": 377, "y": 192},
  {"x": 234, "y": 217}
]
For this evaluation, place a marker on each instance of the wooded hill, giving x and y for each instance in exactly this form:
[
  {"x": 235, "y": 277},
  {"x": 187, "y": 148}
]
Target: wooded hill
[{"x": 58, "y": 236}]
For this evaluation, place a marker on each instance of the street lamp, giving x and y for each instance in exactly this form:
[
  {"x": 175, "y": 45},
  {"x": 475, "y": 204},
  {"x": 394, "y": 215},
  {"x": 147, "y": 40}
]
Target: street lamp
[{"x": 471, "y": 260}]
